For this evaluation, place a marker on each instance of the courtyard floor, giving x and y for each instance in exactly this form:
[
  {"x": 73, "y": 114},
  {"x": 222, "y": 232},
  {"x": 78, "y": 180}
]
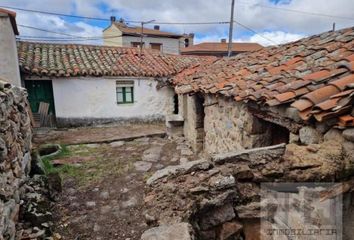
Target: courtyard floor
[{"x": 103, "y": 182}]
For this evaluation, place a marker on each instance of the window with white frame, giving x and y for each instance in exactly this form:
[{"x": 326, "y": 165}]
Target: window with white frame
[{"x": 125, "y": 92}]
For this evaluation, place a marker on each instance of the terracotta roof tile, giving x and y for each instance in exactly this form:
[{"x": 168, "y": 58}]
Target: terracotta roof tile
[
  {"x": 302, "y": 104},
  {"x": 317, "y": 75},
  {"x": 283, "y": 97},
  {"x": 346, "y": 120},
  {"x": 343, "y": 82},
  {"x": 328, "y": 104},
  {"x": 321, "y": 94}
]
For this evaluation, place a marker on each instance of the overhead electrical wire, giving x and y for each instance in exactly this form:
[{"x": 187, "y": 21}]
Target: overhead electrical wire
[
  {"x": 46, "y": 30},
  {"x": 184, "y": 23},
  {"x": 255, "y": 32},
  {"x": 296, "y": 11}
]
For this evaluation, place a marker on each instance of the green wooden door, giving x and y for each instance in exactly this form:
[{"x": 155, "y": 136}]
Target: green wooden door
[{"x": 40, "y": 91}]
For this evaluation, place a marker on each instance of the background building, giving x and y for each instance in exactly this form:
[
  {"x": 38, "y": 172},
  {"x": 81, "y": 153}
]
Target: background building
[{"x": 119, "y": 34}]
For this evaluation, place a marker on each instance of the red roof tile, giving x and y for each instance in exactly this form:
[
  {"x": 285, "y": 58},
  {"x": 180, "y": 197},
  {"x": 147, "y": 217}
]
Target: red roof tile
[{"x": 306, "y": 74}]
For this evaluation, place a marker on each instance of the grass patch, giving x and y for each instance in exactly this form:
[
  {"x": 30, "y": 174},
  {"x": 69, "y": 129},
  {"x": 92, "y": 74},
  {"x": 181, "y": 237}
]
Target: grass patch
[
  {"x": 103, "y": 163},
  {"x": 46, "y": 160}
]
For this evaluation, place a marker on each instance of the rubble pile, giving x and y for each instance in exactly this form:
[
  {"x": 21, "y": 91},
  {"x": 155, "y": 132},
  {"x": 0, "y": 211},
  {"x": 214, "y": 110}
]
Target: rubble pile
[{"x": 220, "y": 197}]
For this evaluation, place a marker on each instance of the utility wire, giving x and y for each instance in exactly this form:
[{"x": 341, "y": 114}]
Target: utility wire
[
  {"x": 108, "y": 20},
  {"x": 47, "y": 39},
  {"x": 45, "y": 30},
  {"x": 56, "y": 14},
  {"x": 184, "y": 23},
  {"x": 255, "y": 32},
  {"x": 297, "y": 11}
]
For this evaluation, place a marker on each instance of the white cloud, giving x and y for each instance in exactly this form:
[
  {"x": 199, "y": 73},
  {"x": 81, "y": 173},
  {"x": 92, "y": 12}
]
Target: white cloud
[{"x": 276, "y": 37}]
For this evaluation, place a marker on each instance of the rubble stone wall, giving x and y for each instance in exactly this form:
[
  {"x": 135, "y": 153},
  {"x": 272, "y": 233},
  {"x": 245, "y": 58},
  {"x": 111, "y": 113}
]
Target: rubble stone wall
[
  {"x": 15, "y": 154},
  {"x": 190, "y": 120},
  {"x": 229, "y": 126}
]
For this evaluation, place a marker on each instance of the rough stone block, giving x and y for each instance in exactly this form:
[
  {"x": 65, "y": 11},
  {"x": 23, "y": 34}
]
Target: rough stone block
[
  {"x": 333, "y": 135},
  {"x": 229, "y": 229},
  {"x": 217, "y": 216},
  {"x": 309, "y": 135},
  {"x": 349, "y": 134},
  {"x": 180, "y": 231}
]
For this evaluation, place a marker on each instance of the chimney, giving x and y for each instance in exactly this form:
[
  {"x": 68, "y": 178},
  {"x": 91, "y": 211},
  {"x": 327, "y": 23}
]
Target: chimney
[
  {"x": 156, "y": 27},
  {"x": 9, "y": 70},
  {"x": 113, "y": 19},
  {"x": 223, "y": 40}
]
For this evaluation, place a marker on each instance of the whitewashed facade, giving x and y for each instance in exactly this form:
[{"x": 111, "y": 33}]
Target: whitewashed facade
[{"x": 89, "y": 100}]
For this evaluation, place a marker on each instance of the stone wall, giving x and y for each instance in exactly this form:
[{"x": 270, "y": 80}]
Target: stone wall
[
  {"x": 15, "y": 148},
  {"x": 230, "y": 126},
  {"x": 193, "y": 135}
]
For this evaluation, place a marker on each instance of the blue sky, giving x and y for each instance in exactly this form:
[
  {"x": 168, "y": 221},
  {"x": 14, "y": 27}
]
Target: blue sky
[{"x": 273, "y": 26}]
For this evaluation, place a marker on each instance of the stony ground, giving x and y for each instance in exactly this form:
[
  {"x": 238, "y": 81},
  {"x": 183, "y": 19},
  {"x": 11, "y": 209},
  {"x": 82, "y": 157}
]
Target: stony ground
[{"x": 103, "y": 185}]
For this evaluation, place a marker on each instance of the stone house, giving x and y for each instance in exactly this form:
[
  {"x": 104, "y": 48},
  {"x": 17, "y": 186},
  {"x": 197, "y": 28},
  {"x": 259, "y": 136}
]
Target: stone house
[
  {"x": 293, "y": 93},
  {"x": 219, "y": 49},
  {"x": 278, "y": 115},
  {"x": 96, "y": 84},
  {"x": 119, "y": 34}
]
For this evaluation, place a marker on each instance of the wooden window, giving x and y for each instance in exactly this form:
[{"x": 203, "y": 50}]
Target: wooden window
[
  {"x": 125, "y": 92},
  {"x": 156, "y": 46},
  {"x": 136, "y": 44}
]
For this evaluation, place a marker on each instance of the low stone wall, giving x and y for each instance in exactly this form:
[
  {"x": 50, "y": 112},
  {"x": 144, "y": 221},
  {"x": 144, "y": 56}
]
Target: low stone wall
[
  {"x": 229, "y": 126},
  {"x": 15, "y": 154},
  {"x": 83, "y": 122}
]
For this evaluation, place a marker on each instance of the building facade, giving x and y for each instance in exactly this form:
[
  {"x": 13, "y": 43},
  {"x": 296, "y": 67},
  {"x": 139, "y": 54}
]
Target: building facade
[{"x": 121, "y": 35}]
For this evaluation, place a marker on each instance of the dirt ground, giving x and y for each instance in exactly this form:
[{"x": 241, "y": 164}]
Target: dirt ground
[{"x": 102, "y": 195}]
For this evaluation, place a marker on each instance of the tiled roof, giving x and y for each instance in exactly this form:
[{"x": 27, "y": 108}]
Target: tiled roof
[
  {"x": 315, "y": 75},
  {"x": 65, "y": 60},
  {"x": 136, "y": 31},
  {"x": 221, "y": 47}
]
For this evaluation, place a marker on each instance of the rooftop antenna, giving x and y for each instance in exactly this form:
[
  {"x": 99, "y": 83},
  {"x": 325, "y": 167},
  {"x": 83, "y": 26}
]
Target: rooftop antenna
[{"x": 229, "y": 48}]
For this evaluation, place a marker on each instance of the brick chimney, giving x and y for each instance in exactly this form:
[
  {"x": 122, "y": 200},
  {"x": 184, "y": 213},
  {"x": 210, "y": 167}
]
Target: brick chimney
[
  {"x": 223, "y": 40},
  {"x": 156, "y": 27}
]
